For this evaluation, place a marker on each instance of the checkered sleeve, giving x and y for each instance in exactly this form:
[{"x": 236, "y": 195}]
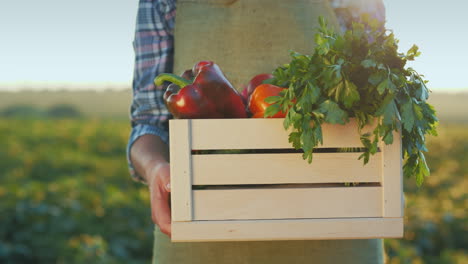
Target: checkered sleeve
[{"x": 154, "y": 48}]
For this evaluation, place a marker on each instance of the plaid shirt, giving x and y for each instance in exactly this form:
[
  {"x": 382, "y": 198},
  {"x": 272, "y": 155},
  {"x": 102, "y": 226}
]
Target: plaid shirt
[{"x": 154, "y": 49}]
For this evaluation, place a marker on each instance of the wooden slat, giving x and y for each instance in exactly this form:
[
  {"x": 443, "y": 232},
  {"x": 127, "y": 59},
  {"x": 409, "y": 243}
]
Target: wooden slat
[
  {"x": 263, "y": 133},
  {"x": 298, "y": 229},
  {"x": 331, "y": 202},
  {"x": 181, "y": 185},
  {"x": 393, "y": 178},
  {"x": 225, "y": 169}
]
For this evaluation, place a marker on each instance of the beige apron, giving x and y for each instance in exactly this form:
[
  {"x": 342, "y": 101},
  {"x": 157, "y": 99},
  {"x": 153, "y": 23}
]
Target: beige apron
[{"x": 247, "y": 37}]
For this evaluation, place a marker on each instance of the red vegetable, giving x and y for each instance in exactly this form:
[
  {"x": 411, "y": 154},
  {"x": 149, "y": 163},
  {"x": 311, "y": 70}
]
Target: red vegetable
[
  {"x": 253, "y": 83},
  {"x": 257, "y": 104},
  {"x": 256, "y": 81},
  {"x": 210, "y": 95}
]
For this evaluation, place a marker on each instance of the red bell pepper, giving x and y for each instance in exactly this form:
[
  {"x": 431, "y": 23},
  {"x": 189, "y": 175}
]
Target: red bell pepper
[
  {"x": 210, "y": 95},
  {"x": 253, "y": 83}
]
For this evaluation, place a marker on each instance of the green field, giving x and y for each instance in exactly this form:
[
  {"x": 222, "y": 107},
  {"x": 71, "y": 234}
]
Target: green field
[
  {"x": 66, "y": 196},
  {"x": 451, "y": 107},
  {"x": 105, "y": 104}
]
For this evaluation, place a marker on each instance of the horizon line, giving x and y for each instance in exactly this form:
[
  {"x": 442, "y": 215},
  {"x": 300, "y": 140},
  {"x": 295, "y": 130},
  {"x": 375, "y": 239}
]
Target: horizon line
[{"x": 115, "y": 86}]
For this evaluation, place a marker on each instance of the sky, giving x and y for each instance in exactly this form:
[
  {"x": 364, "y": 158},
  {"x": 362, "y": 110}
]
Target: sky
[{"x": 88, "y": 43}]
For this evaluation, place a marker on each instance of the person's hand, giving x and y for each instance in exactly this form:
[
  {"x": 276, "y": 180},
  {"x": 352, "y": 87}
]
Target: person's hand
[{"x": 159, "y": 186}]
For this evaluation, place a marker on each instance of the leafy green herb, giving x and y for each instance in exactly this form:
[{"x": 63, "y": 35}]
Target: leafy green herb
[{"x": 357, "y": 74}]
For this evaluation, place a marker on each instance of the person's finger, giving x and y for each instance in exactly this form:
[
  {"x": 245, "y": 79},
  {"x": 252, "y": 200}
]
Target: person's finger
[
  {"x": 165, "y": 177},
  {"x": 160, "y": 200},
  {"x": 161, "y": 211}
]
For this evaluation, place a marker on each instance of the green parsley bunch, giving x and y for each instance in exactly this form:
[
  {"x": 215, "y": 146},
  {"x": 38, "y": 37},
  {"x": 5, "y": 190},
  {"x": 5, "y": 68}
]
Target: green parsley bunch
[{"x": 359, "y": 74}]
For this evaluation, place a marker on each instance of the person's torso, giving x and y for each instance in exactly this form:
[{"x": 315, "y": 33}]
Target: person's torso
[{"x": 245, "y": 37}]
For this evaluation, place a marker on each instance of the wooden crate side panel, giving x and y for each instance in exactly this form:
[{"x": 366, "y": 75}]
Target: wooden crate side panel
[
  {"x": 223, "y": 169},
  {"x": 393, "y": 178},
  {"x": 263, "y": 133},
  {"x": 281, "y": 203},
  {"x": 299, "y": 229},
  {"x": 181, "y": 185}
]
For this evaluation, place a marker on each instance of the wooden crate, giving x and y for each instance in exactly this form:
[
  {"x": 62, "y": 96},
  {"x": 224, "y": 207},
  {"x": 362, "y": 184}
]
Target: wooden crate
[{"x": 279, "y": 196}]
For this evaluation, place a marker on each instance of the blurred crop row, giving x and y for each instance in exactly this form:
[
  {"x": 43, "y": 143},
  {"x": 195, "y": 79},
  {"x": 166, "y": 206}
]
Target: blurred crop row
[{"x": 66, "y": 196}]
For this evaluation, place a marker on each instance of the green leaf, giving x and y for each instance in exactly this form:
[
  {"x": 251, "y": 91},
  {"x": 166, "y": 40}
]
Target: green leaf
[
  {"x": 336, "y": 91},
  {"x": 350, "y": 95},
  {"x": 314, "y": 94},
  {"x": 389, "y": 111},
  {"x": 419, "y": 87},
  {"x": 367, "y": 144},
  {"x": 272, "y": 99},
  {"x": 287, "y": 121},
  {"x": 423, "y": 170},
  {"x": 376, "y": 77},
  {"x": 368, "y": 63},
  {"x": 318, "y": 134},
  {"x": 322, "y": 46},
  {"x": 373, "y": 147},
  {"x": 388, "y": 138},
  {"x": 320, "y": 40},
  {"x": 295, "y": 139},
  {"x": 383, "y": 86},
  {"x": 407, "y": 115},
  {"x": 322, "y": 22},
  {"x": 413, "y": 52},
  {"x": 271, "y": 110},
  {"x": 387, "y": 84},
  {"x": 365, "y": 156},
  {"x": 307, "y": 143},
  {"x": 418, "y": 112},
  {"x": 333, "y": 113},
  {"x": 409, "y": 168},
  {"x": 391, "y": 86}
]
